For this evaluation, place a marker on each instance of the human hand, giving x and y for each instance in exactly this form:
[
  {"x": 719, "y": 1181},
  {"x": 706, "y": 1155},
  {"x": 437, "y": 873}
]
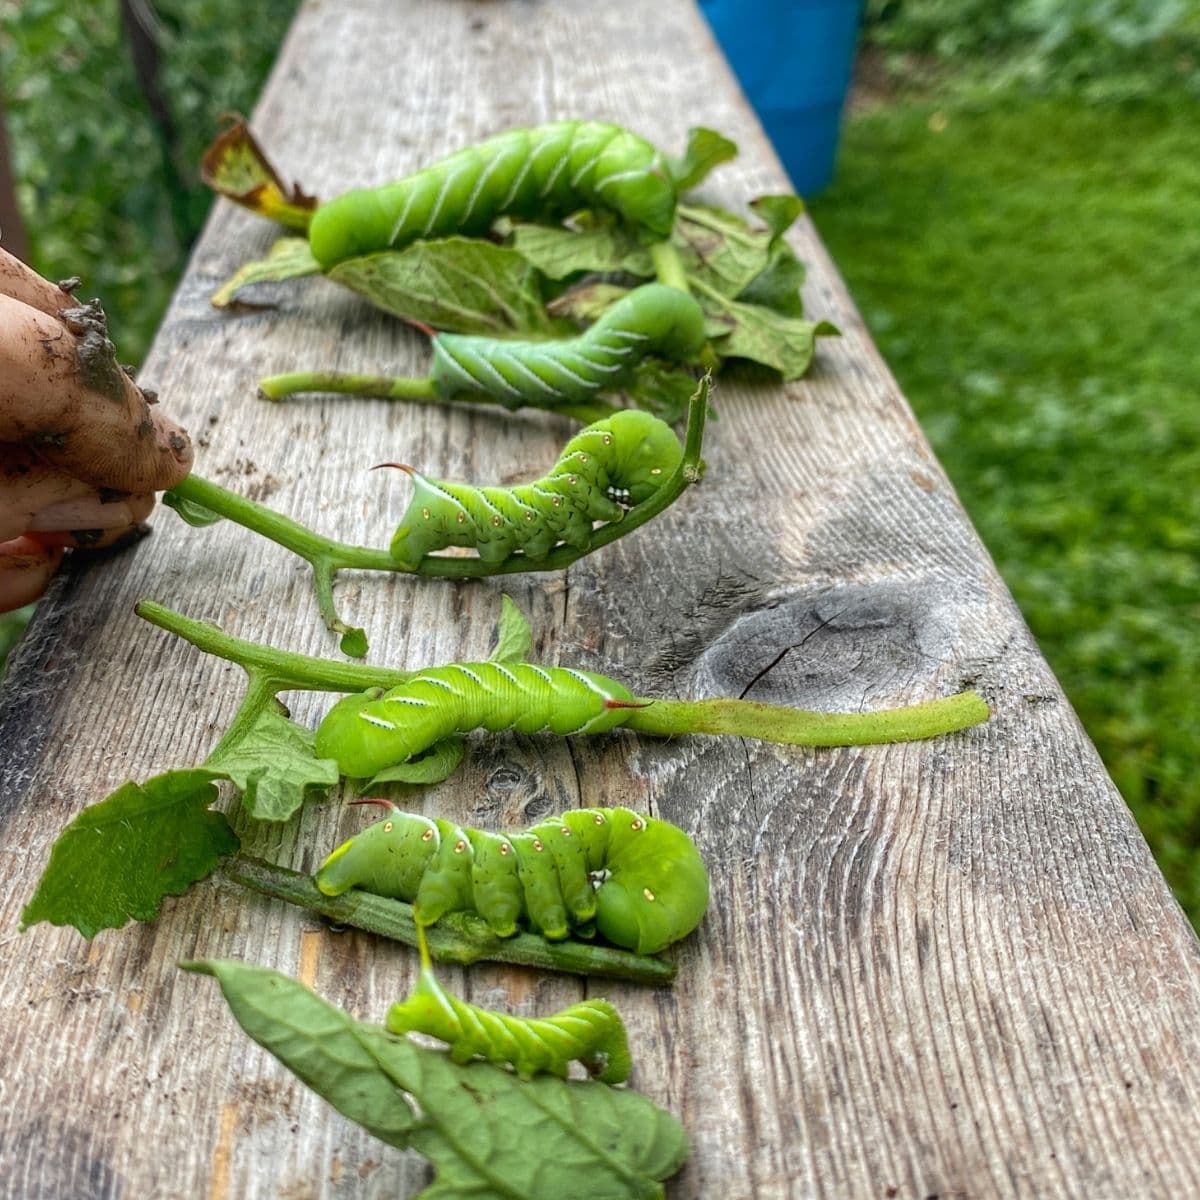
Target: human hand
[{"x": 82, "y": 451}]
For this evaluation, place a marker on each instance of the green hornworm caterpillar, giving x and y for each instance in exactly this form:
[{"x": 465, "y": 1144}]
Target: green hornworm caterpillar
[
  {"x": 613, "y": 464},
  {"x": 651, "y": 319},
  {"x": 549, "y": 170},
  {"x": 368, "y": 731},
  {"x": 591, "y": 1031},
  {"x": 638, "y": 880}
]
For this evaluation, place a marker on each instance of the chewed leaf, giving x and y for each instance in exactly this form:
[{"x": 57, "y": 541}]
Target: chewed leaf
[
  {"x": 585, "y": 304},
  {"x": 117, "y": 860},
  {"x": 488, "y": 1134},
  {"x": 457, "y": 284},
  {"x": 236, "y": 167},
  {"x": 661, "y": 389},
  {"x": 765, "y": 335},
  {"x": 558, "y": 252},
  {"x": 513, "y": 636},
  {"x": 778, "y": 285},
  {"x": 719, "y": 249},
  {"x": 706, "y": 149},
  {"x": 289, "y": 258},
  {"x": 274, "y": 764},
  {"x": 439, "y": 762}
]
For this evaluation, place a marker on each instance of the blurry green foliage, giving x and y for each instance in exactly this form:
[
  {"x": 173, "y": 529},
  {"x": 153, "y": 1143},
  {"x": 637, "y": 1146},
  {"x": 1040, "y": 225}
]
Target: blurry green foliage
[
  {"x": 1098, "y": 49},
  {"x": 103, "y": 194},
  {"x": 1028, "y": 269}
]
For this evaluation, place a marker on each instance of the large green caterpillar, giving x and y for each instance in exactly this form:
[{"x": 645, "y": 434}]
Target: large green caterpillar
[
  {"x": 613, "y": 464},
  {"x": 653, "y": 319},
  {"x": 638, "y": 880},
  {"x": 591, "y": 1031},
  {"x": 368, "y": 731},
  {"x": 548, "y": 170}
]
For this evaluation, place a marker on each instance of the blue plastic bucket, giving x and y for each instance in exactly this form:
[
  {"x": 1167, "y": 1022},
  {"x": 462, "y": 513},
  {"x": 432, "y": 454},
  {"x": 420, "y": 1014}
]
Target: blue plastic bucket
[{"x": 793, "y": 59}]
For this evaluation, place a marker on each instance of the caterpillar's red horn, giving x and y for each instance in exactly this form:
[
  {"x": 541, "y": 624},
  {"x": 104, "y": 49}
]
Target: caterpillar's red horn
[
  {"x": 399, "y": 467},
  {"x": 379, "y": 801},
  {"x": 628, "y": 703}
]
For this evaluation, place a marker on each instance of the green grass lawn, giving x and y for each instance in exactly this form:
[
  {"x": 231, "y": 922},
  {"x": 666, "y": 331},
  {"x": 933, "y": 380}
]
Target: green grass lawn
[{"x": 1031, "y": 270}]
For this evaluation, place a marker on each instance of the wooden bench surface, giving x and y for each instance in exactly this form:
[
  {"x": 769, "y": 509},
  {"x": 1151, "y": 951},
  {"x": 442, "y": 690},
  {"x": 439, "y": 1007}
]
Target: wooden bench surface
[{"x": 938, "y": 969}]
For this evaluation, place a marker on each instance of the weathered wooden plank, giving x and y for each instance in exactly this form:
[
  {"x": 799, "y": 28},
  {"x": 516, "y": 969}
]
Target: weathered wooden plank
[{"x": 937, "y": 969}]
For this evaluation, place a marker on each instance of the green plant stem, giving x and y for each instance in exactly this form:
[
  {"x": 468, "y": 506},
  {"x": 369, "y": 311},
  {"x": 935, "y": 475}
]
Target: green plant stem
[
  {"x": 458, "y": 937},
  {"x": 283, "y": 669},
  {"x": 327, "y": 556},
  {"x": 382, "y": 387},
  {"x": 799, "y": 727},
  {"x": 668, "y": 266}
]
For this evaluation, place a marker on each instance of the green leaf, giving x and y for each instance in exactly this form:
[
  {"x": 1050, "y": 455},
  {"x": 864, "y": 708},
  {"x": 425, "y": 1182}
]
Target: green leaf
[
  {"x": 778, "y": 285},
  {"x": 489, "y": 1135},
  {"x": 193, "y": 513},
  {"x": 779, "y": 212},
  {"x": 706, "y": 149},
  {"x": 459, "y": 284},
  {"x": 661, "y": 389},
  {"x": 116, "y": 861},
  {"x": 559, "y": 252},
  {"x": 513, "y": 635},
  {"x": 288, "y": 258},
  {"x": 274, "y": 764},
  {"x": 764, "y": 335},
  {"x": 354, "y": 642},
  {"x": 585, "y": 304},
  {"x": 439, "y": 762},
  {"x": 719, "y": 249}
]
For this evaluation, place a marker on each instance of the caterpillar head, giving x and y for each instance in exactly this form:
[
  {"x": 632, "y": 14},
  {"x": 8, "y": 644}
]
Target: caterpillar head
[
  {"x": 635, "y": 182},
  {"x": 386, "y": 859},
  {"x": 647, "y": 452}
]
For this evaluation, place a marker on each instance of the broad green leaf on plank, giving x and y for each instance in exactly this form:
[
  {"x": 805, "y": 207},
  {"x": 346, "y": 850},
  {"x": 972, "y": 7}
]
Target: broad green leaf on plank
[
  {"x": 513, "y": 635},
  {"x": 116, "y": 861},
  {"x": 354, "y": 642},
  {"x": 235, "y": 166},
  {"x": 274, "y": 764},
  {"x": 778, "y": 285},
  {"x": 460, "y": 284},
  {"x": 764, "y": 335},
  {"x": 558, "y": 252},
  {"x": 719, "y": 249},
  {"x": 661, "y": 389},
  {"x": 288, "y": 258},
  {"x": 193, "y": 513},
  {"x": 706, "y": 149},
  {"x": 489, "y": 1135},
  {"x": 585, "y": 304},
  {"x": 779, "y": 212},
  {"x": 439, "y": 762}
]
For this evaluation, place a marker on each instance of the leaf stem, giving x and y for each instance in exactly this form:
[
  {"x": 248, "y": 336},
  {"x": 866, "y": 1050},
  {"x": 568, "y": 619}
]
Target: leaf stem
[
  {"x": 281, "y": 669},
  {"x": 383, "y": 387},
  {"x": 668, "y": 266},
  {"x": 458, "y": 937},
  {"x": 799, "y": 727}
]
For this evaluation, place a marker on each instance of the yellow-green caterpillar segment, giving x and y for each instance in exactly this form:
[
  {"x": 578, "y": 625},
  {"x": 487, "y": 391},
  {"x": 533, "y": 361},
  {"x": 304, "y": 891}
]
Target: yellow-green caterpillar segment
[
  {"x": 367, "y": 732},
  {"x": 651, "y": 320},
  {"x": 541, "y": 172},
  {"x": 638, "y": 881},
  {"x": 591, "y": 1031},
  {"x": 611, "y": 465}
]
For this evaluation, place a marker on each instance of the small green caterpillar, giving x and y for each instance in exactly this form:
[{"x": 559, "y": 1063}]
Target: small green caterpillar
[
  {"x": 651, "y": 319},
  {"x": 368, "y": 731},
  {"x": 638, "y": 880},
  {"x": 548, "y": 170},
  {"x": 615, "y": 463},
  {"x": 591, "y": 1031}
]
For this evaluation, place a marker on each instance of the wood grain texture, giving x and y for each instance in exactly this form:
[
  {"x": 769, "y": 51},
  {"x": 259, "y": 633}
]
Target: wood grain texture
[{"x": 940, "y": 969}]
